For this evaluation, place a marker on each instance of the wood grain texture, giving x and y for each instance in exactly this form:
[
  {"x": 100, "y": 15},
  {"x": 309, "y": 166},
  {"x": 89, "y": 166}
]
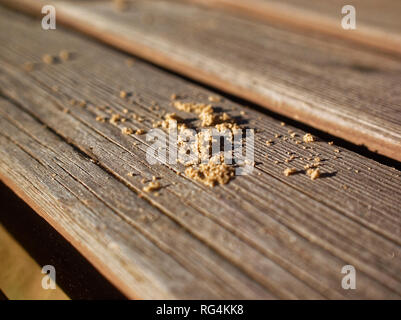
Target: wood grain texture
[
  {"x": 261, "y": 236},
  {"x": 343, "y": 89},
  {"x": 378, "y": 22}
]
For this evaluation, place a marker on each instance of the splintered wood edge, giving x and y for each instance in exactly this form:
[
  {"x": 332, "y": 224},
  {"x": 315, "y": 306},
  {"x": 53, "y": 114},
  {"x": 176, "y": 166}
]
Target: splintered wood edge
[
  {"x": 337, "y": 126},
  {"x": 310, "y": 21}
]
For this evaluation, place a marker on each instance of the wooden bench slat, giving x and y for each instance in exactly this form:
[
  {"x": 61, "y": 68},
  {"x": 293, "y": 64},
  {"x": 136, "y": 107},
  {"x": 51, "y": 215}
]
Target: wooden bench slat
[
  {"x": 103, "y": 195},
  {"x": 377, "y": 22}
]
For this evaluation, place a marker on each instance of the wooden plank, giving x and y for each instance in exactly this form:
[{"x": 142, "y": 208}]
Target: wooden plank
[
  {"x": 262, "y": 235},
  {"x": 343, "y": 89},
  {"x": 20, "y": 275},
  {"x": 137, "y": 215},
  {"x": 377, "y": 22}
]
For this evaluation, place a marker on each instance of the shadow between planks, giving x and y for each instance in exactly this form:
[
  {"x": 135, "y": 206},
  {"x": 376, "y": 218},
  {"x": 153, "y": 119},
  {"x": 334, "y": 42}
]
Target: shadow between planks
[
  {"x": 331, "y": 84},
  {"x": 262, "y": 236},
  {"x": 21, "y": 279},
  {"x": 21, "y": 276}
]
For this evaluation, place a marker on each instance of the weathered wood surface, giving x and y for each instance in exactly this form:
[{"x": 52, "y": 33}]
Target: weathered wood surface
[
  {"x": 378, "y": 23},
  {"x": 261, "y": 236},
  {"x": 343, "y": 89}
]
